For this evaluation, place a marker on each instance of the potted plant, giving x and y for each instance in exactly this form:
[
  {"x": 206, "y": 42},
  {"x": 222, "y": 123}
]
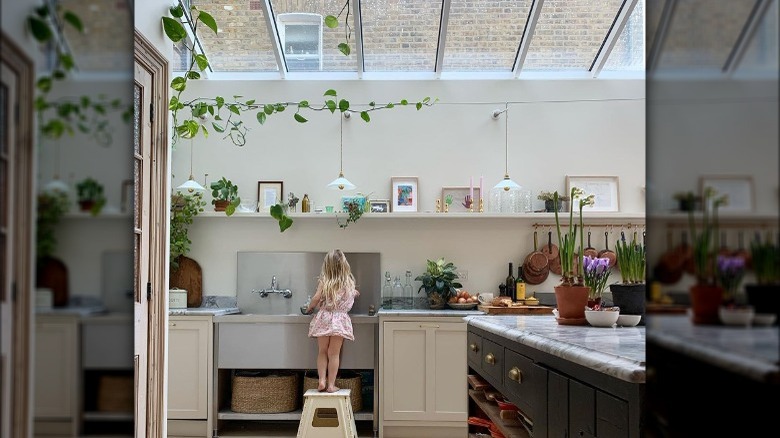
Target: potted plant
[
  {"x": 706, "y": 294},
  {"x": 439, "y": 281},
  {"x": 184, "y": 207},
  {"x": 50, "y": 272},
  {"x": 687, "y": 201},
  {"x": 225, "y": 195},
  {"x": 90, "y": 196},
  {"x": 549, "y": 201},
  {"x": 629, "y": 293},
  {"x": 596, "y": 272},
  {"x": 571, "y": 296},
  {"x": 764, "y": 293}
]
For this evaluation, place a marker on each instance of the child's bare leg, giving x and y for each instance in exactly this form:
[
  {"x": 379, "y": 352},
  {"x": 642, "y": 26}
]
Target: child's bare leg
[
  {"x": 334, "y": 350},
  {"x": 322, "y": 360}
]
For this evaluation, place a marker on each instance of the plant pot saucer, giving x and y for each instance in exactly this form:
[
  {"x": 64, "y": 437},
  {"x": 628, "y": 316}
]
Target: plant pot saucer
[{"x": 571, "y": 321}]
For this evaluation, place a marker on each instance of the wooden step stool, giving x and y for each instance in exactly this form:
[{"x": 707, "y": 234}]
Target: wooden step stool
[{"x": 326, "y": 415}]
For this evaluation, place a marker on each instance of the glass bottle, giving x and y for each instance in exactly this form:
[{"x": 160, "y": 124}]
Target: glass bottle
[
  {"x": 387, "y": 293},
  {"x": 510, "y": 283},
  {"x": 409, "y": 291},
  {"x": 305, "y": 207},
  {"x": 398, "y": 294},
  {"x": 519, "y": 285}
]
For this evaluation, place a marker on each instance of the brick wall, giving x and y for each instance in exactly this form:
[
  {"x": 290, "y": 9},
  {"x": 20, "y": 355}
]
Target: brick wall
[{"x": 107, "y": 41}]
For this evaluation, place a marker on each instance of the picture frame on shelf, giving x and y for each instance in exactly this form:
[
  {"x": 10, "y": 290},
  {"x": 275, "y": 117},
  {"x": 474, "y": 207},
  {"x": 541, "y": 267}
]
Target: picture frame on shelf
[
  {"x": 360, "y": 200},
  {"x": 605, "y": 189},
  {"x": 459, "y": 194},
  {"x": 379, "y": 206},
  {"x": 738, "y": 188},
  {"x": 405, "y": 194},
  {"x": 268, "y": 194}
]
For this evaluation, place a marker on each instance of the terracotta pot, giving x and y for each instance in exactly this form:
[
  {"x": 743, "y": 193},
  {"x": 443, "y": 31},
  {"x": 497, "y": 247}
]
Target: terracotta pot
[
  {"x": 86, "y": 205},
  {"x": 221, "y": 205},
  {"x": 705, "y": 301},
  {"x": 571, "y": 302},
  {"x": 630, "y": 298}
]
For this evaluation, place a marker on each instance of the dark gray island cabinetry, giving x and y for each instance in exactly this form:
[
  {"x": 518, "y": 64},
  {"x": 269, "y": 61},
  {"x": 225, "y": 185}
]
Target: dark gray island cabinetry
[{"x": 568, "y": 381}]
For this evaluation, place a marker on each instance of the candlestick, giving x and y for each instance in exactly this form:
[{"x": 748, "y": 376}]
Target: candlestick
[
  {"x": 481, "y": 205},
  {"x": 471, "y": 187},
  {"x": 481, "y": 192}
]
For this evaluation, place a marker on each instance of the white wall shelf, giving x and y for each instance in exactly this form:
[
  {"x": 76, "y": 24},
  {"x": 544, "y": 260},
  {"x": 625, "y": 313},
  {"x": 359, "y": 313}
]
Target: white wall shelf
[
  {"x": 545, "y": 218},
  {"x": 85, "y": 215}
]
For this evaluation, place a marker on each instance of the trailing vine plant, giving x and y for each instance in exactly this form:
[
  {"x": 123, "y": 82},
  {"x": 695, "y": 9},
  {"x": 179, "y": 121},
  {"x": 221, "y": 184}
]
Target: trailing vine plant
[
  {"x": 333, "y": 22},
  {"x": 85, "y": 114},
  {"x": 228, "y": 113}
]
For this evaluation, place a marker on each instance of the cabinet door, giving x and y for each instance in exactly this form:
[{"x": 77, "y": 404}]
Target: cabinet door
[
  {"x": 56, "y": 368},
  {"x": 188, "y": 379},
  {"x": 557, "y": 405},
  {"x": 611, "y": 416},
  {"x": 582, "y": 409},
  {"x": 424, "y": 371}
]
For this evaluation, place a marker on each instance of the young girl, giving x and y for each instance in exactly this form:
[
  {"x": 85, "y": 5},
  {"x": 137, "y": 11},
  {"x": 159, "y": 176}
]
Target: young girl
[{"x": 331, "y": 325}]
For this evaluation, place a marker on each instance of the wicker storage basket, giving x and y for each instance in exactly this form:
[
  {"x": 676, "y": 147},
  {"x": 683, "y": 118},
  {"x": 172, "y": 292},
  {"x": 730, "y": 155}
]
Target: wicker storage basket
[
  {"x": 115, "y": 393},
  {"x": 256, "y": 392},
  {"x": 344, "y": 380}
]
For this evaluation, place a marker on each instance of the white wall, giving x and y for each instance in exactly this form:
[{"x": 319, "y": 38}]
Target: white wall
[{"x": 14, "y": 22}]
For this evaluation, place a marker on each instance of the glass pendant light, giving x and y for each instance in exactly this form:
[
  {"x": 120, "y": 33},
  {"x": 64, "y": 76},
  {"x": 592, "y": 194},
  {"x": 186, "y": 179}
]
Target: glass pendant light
[
  {"x": 56, "y": 184},
  {"x": 506, "y": 184},
  {"x": 341, "y": 183},
  {"x": 508, "y": 196},
  {"x": 191, "y": 185}
]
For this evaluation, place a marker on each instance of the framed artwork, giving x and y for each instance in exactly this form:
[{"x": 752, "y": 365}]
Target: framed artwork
[
  {"x": 379, "y": 205},
  {"x": 605, "y": 189},
  {"x": 738, "y": 189},
  {"x": 268, "y": 194},
  {"x": 360, "y": 200},
  {"x": 459, "y": 195},
  {"x": 405, "y": 194}
]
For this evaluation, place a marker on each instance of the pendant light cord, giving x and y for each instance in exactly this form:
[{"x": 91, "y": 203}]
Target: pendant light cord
[
  {"x": 341, "y": 145},
  {"x": 506, "y": 139},
  {"x": 192, "y": 146}
]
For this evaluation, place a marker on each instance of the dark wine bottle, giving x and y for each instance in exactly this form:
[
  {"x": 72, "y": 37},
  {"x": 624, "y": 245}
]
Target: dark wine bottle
[{"x": 510, "y": 283}]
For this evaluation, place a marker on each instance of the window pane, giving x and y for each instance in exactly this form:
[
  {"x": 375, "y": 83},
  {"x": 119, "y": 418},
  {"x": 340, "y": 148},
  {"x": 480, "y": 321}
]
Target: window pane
[
  {"x": 761, "y": 55},
  {"x": 242, "y": 43},
  {"x": 326, "y": 48},
  {"x": 629, "y": 50},
  {"x": 106, "y": 44},
  {"x": 483, "y": 35},
  {"x": 400, "y": 35},
  {"x": 702, "y": 33},
  {"x": 653, "y": 11},
  {"x": 181, "y": 57},
  {"x": 569, "y": 34}
]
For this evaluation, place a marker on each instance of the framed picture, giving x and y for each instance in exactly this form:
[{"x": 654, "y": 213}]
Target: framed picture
[
  {"x": 605, "y": 189},
  {"x": 738, "y": 189},
  {"x": 379, "y": 205},
  {"x": 360, "y": 200},
  {"x": 405, "y": 194},
  {"x": 459, "y": 195},
  {"x": 268, "y": 194}
]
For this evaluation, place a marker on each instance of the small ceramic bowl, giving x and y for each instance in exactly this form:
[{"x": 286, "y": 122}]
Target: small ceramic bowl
[
  {"x": 736, "y": 316},
  {"x": 765, "y": 319},
  {"x": 628, "y": 320},
  {"x": 601, "y": 318}
]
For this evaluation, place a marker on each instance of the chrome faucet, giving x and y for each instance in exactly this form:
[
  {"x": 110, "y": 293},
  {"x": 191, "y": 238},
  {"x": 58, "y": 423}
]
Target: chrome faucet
[{"x": 287, "y": 293}]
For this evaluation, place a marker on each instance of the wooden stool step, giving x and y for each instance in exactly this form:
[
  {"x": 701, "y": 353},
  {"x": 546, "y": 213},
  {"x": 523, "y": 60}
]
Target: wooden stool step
[{"x": 327, "y": 415}]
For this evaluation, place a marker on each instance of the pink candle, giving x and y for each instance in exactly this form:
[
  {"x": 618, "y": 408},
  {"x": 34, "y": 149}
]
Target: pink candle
[
  {"x": 471, "y": 187},
  {"x": 481, "y": 193}
]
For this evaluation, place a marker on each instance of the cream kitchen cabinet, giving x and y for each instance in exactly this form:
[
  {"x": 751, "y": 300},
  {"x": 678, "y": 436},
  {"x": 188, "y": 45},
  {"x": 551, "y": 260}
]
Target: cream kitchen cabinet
[
  {"x": 190, "y": 375},
  {"x": 57, "y": 396},
  {"x": 423, "y": 377}
]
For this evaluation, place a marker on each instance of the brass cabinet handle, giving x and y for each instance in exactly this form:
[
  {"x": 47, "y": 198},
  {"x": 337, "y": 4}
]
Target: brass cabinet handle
[
  {"x": 473, "y": 347},
  {"x": 489, "y": 358},
  {"x": 173, "y": 324},
  {"x": 429, "y": 325},
  {"x": 516, "y": 375}
]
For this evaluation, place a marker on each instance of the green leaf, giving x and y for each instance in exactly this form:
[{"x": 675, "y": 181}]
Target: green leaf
[
  {"x": 73, "y": 20},
  {"x": 300, "y": 119},
  {"x": 234, "y": 109},
  {"x": 277, "y": 212},
  {"x": 390, "y": 105},
  {"x": 268, "y": 109},
  {"x": 40, "y": 30},
  {"x": 419, "y": 105},
  {"x": 85, "y": 101},
  {"x": 344, "y": 48},
  {"x": 217, "y": 127},
  {"x": 343, "y": 105},
  {"x": 176, "y": 11},
  {"x": 208, "y": 20},
  {"x": 261, "y": 116},
  {"x": 205, "y": 131},
  {"x": 58, "y": 74},
  {"x": 331, "y": 105},
  {"x": 42, "y": 11},
  {"x": 220, "y": 101},
  {"x": 201, "y": 61},
  {"x": 330, "y": 92},
  {"x": 303, "y": 104},
  {"x": 331, "y": 21},
  {"x": 178, "y": 83},
  {"x": 250, "y": 102},
  {"x": 404, "y": 102},
  {"x": 193, "y": 75},
  {"x": 426, "y": 100},
  {"x": 285, "y": 223},
  {"x": 44, "y": 84},
  {"x": 67, "y": 61},
  {"x": 173, "y": 29},
  {"x": 372, "y": 103},
  {"x": 211, "y": 109},
  {"x": 279, "y": 107},
  {"x": 364, "y": 115}
]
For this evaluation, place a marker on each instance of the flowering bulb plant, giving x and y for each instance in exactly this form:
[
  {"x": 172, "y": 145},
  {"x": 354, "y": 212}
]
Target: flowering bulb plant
[
  {"x": 730, "y": 271},
  {"x": 566, "y": 241},
  {"x": 705, "y": 241},
  {"x": 596, "y": 272}
]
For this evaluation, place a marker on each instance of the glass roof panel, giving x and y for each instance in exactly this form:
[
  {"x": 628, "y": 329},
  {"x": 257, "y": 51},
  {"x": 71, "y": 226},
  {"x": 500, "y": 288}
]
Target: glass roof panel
[
  {"x": 483, "y": 35},
  {"x": 629, "y": 50},
  {"x": 105, "y": 45},
  {"x": 400, "y": 35},
  {"x": 242, "y": 43},
  {"x": 569, "y": 34},
  {"x": 180, "y": 60},
  {"x": 762, "y": 53},
  {"x": 331, "y": 59},
  {"x": 653, "y": 11},
  {"x": 702, "y": 33}
]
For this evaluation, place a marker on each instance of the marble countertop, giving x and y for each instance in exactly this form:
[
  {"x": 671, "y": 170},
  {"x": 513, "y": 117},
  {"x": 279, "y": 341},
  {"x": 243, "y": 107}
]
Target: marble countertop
[
  {"x": 428, "y": 312},
  {"x": 751, "y": 351},
  {"x": 616, "y": 351},
  {"x": 211, "y": 305}
]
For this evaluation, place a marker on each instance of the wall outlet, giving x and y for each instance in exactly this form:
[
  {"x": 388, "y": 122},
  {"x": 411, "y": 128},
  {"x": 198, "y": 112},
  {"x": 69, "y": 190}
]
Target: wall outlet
[{"x": 463, "y": 275}]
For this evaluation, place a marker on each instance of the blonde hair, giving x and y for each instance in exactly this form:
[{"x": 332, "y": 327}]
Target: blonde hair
[{"x": 336, "y": 275}]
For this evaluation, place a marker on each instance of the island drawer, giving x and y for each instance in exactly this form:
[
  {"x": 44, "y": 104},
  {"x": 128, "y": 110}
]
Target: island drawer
[
  {"x": 492, "y": 362},
  {"x": 525, "y": 383},
  {"x": 474, "y": 350}
]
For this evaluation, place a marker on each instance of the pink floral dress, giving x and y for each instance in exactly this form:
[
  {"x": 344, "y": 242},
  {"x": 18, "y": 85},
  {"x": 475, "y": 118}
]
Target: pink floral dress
[{"x": 335, "y": 321}]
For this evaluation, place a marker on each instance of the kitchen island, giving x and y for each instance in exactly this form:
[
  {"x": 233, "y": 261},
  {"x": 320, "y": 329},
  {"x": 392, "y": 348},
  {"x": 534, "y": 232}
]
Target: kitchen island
[{"x": 567, "y": 380}]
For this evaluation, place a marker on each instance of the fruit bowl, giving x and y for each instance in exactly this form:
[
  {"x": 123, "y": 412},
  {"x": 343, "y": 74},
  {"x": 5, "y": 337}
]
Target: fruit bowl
[{"x": 462, "y": 306}]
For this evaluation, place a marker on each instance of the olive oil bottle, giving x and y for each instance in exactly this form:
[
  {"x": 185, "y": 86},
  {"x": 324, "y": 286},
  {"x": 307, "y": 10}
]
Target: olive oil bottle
[{"x": 519, "y": 285}]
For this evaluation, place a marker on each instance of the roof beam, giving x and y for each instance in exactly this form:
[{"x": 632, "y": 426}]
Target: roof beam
[
  {"x": 528, "y": 35},
  {"x": 445, "y": 18},
  {"x": 746, "y": 36},
  {"x": 190, "y": 30},
  {"x": 660, "y": 35},
  {"x": 358, "y": 37},
  {"x": 624, "y": 14},
  {"x": 270, "y": 23}
]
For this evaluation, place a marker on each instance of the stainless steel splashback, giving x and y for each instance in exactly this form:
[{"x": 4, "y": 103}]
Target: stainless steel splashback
[{"x": 298, "y": 271}]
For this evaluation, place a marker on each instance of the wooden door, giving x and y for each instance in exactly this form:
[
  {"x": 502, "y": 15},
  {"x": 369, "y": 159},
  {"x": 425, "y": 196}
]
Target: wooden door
[{"x": 16, "y": 216}]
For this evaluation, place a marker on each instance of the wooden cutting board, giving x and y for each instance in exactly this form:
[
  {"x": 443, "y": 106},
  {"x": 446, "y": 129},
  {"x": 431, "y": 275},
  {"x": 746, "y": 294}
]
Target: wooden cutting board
[
  {"x": 189, "y": 277},
  {"x": 516, "y": 310}
]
